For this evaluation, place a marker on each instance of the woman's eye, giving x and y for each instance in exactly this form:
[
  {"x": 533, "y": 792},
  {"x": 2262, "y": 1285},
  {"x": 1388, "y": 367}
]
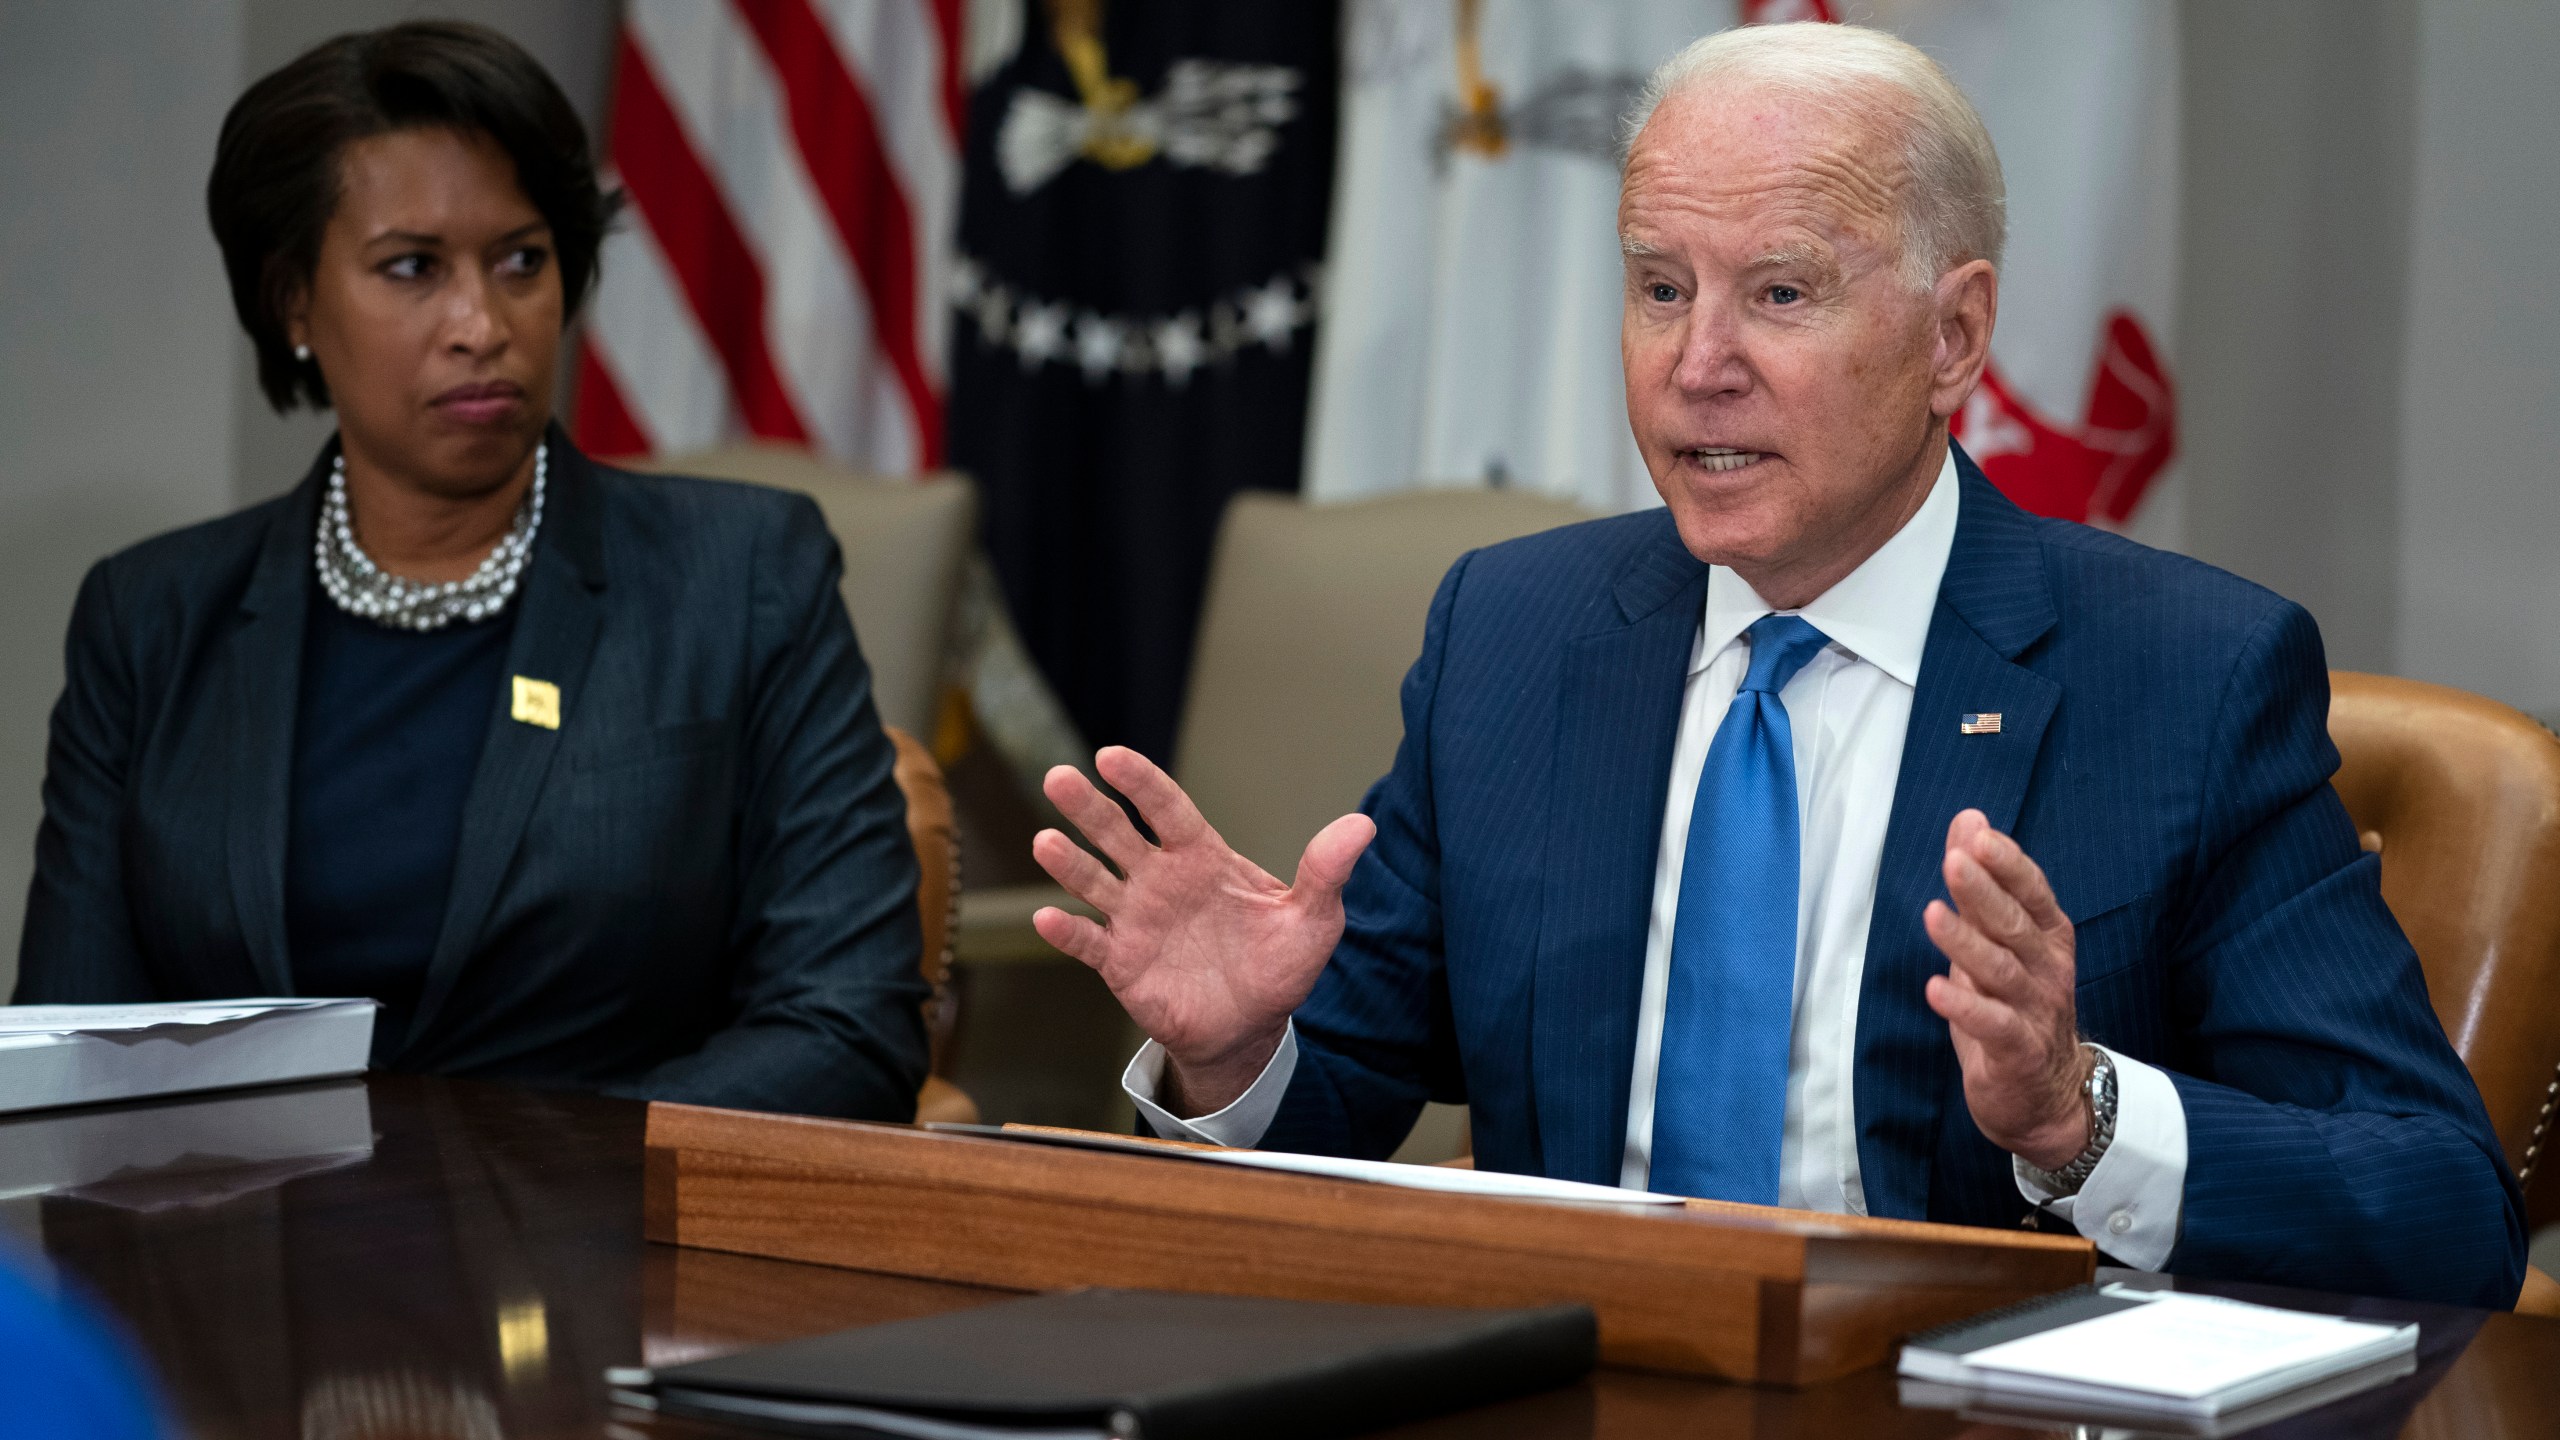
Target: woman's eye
[
  {"x": 1784, "y": 294},
  {"x": 527, "y": 261},
  {"x": 405, "y": 267},
  {"x": 1662, "y": 294}
]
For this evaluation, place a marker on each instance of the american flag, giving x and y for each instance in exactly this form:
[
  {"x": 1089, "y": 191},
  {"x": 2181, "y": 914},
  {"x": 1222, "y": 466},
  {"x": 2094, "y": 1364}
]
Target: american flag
[{"x": 793, "y": 168}]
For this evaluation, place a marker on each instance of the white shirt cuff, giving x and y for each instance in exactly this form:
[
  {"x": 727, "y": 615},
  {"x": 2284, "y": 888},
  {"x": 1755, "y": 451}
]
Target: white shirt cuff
[
  {"x": 2129, "y": 1205},
  {"x": 1244, "y": 1120}
]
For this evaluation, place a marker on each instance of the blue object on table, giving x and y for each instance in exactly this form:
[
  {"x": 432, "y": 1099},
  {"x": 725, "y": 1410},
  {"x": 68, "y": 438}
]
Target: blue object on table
[{"x": 62, "y": 1372}]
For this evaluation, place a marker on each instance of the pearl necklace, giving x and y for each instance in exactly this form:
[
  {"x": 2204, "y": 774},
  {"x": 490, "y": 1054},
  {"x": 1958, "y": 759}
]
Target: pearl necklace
[{"x": 359, "y": 587}]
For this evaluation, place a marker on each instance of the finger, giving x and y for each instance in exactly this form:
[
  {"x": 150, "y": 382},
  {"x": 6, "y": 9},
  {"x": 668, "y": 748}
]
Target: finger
[
  {"x": 1326, "y": 867},
  {"x": 1102, "y": 821},
  {"x": 1073, "y": 866},
  {"x": 1967, "y": 824},
  {"x": 1167, "y": 810},
  {"x": 1990, "y": 906},
  {"x": 1988, "y": 1023},
  {"x": 1073, "y": 934},
  {"x": 2018, "y": 874},
  {"x": 1990, "y": 966}
]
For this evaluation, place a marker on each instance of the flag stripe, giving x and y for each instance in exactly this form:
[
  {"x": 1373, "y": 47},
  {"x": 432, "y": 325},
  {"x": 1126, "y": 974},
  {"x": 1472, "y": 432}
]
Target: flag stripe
[
  {"x": 663, "y": 366},
  {"x": 606, "y": 426},
  {"x": 817, "y": 318},
  {"x": 719, "y": 274},
  {"x": 794, "y": 174},
  {"x": 891, "y": 51},
  {"x": 839, "y": 141},
  {"x": 948, "y": 21}
]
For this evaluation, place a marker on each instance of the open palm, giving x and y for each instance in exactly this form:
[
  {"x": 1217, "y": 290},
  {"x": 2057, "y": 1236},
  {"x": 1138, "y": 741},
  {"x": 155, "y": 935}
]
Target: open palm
[{"x": 1207, "y": 951}]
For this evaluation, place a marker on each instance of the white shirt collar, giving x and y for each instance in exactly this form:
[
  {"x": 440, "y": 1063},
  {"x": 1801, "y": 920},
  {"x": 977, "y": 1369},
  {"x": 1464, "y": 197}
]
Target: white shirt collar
[{"x": 1879, "y": 612}]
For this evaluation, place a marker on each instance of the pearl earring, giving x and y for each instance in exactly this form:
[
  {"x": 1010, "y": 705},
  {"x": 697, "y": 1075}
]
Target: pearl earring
[{"x": 302, "y": 353}]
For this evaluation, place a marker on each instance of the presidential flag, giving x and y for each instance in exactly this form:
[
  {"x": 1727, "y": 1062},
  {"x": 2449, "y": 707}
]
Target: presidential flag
[{"x": 1132, "y": 299}]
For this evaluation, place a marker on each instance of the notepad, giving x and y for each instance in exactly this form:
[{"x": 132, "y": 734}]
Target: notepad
[{"x": 2146, "y": 1350}]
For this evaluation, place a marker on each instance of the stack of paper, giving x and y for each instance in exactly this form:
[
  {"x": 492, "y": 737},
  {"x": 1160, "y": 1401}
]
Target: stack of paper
[
  {"x": 2123, "y": 1351},
  {"x": 84, "y": 1054}
]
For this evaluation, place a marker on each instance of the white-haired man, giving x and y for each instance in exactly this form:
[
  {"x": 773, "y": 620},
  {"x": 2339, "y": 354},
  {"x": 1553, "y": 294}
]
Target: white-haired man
[{"x": 1704, "y": 862}]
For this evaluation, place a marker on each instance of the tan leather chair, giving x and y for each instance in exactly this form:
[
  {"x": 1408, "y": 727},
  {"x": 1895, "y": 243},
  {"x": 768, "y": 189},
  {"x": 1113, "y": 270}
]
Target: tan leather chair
[
  {"x": 906, "y": 543},
  {"x": 1314, "y": 613},
  {"x": 2460, "y": 796},
  {"x": 937, "y": 842}
]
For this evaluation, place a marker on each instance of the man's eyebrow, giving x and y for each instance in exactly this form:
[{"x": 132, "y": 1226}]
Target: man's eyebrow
[
  {"x": 1629, "y": 245},
  {"x": 1815, "y": 260}
]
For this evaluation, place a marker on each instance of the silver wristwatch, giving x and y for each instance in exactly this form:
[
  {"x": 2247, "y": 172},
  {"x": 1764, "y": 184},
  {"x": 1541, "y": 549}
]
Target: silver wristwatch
[{"x": 2101, "y": 1096}]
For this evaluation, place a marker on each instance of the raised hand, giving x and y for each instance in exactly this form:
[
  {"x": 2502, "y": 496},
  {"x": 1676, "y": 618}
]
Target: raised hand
[
  {"x": 2007, "y": 996},
  {"x": 1205, "y": 949}
]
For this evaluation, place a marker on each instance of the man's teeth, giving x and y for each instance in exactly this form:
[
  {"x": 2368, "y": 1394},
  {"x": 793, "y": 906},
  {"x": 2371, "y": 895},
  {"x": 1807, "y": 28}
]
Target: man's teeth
[{"x": 1717, "y": 460}]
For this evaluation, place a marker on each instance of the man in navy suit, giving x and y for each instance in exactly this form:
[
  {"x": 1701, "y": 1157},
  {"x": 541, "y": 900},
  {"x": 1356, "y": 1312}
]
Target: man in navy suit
[{"x": 1838, "y": 836}]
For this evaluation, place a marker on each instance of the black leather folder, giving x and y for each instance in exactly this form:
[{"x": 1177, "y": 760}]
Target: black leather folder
[{"x": 1137, "y": 1365}]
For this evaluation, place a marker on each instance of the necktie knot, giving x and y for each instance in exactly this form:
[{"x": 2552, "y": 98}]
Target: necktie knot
[{"x": 1780, "y": 646}]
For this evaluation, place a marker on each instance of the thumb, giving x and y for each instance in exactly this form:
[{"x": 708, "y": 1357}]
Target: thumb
[{"x": 1330, "y": 856}]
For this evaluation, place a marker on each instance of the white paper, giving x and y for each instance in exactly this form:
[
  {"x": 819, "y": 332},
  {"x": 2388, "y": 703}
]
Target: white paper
[
  {"x": 114, "y": 1019},
  {"x": 2182, "y": 1347},
  {"x": 1437, "y": 1177},
  {"x": 1377, "y": 1172}
]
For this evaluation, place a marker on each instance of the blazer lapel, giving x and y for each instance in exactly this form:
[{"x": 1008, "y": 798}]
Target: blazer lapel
[
  {"x": 555, "y": 638},
  {"x": 1993, "y": 603},
  {"x": 265, "y": 660},
  {"x": 1618, "y": 718}
]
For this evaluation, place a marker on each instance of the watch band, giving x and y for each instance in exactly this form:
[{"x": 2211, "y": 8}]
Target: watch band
[{"x": 2101, "y": 1097}]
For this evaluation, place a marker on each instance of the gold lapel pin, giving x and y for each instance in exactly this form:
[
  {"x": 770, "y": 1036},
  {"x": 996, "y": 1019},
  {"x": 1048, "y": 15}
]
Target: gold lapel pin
[
  {"x": 1987, "y": 723},
  {"x": 537, "y": 702}
]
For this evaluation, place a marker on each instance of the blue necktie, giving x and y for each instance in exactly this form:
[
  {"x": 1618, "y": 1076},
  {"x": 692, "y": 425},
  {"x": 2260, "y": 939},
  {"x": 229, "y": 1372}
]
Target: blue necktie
[{"x": 1720, "y": 1093}]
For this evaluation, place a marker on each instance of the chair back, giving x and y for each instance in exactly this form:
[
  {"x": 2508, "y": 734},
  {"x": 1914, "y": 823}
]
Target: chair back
[
  {"x": 936, "y": 838},
  {"x": 906, "y": 543},
  {"x": 1314, "y": 613},
  {"x": 937, "y": 843},
  {"x": 2460, "y": 796}
]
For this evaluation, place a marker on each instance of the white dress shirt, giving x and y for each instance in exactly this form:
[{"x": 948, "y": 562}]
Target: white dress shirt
[{"x": 1849, "y": 708}]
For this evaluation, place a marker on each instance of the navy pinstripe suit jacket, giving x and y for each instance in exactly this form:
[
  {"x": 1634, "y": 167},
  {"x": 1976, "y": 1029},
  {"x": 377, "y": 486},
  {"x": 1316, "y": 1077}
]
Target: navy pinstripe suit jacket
[{"x": 2164, "y": 755}]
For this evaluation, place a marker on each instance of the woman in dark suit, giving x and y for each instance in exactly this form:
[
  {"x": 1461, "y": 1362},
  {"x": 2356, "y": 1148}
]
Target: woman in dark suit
[{"x": 576, "y": 771}]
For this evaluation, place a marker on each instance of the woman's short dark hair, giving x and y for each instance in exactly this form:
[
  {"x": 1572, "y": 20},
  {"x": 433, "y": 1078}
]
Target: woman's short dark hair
[{"x": 276, "y": 173}]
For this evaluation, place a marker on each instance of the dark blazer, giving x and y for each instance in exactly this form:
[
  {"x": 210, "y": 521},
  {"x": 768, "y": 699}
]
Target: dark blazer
[
  {"x": 2164, "y": 755},
  {"x": 699, "y": 887}
]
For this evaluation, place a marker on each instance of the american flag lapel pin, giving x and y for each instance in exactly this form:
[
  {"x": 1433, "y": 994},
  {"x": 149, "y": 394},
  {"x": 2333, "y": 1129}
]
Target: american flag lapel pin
[{"x": 1987, "y": 723}]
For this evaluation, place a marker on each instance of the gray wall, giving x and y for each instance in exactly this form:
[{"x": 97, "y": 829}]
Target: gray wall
[
  {"x": 2293, "y": 268},
  {"x": 115, "y": 332},
  {"x": 127, "y": 399},
  {"x": 2480, "y": 375},
  {"x": 2369, "y": 328}
]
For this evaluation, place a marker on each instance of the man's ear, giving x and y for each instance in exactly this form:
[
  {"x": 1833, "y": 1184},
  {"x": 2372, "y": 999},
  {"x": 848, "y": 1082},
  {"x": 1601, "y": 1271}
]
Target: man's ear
[{"x": 1968, "y": 302}]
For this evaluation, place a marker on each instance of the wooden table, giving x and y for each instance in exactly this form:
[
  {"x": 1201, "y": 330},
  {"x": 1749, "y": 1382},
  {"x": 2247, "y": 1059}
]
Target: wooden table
[{"x": 474, "y": 1274}]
